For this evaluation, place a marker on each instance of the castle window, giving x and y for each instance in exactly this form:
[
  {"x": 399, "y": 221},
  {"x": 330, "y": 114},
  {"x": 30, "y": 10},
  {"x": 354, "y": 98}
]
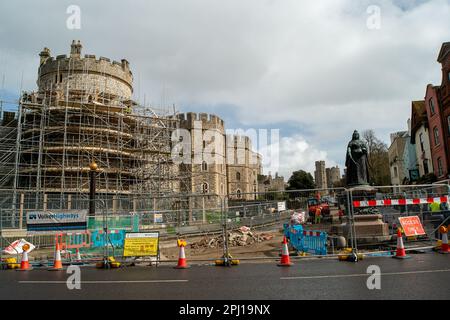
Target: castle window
[
  {"x": 205, "y": 188},
  {"x": 60, "y": 77},
  {"x": 238, "y": 176},
  {"x": 204, "y": 166},
  {"x": 239, "y": 195}
]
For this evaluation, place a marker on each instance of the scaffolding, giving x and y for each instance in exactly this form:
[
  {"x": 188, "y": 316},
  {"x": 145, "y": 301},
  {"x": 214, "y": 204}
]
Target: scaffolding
[{"x": 48, "y": 146}]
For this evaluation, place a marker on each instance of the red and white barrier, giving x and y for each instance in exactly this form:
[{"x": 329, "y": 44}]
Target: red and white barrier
[{"x": 398, "y": 202}]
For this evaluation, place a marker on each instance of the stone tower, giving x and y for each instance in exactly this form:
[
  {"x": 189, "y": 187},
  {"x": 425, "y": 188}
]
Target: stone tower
[
  {"x": 207, "y": 171},
  {"x": 99, "y": 79}
]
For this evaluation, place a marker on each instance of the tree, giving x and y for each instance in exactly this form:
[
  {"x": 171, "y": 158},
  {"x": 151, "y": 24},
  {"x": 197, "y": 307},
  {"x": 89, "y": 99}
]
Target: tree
[
  {"x": 378, "y": 159},
  {"x": 301, "y": 180}
]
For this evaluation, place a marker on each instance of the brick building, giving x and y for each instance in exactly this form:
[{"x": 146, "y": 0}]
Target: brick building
[{"x": 437, "y": 103}]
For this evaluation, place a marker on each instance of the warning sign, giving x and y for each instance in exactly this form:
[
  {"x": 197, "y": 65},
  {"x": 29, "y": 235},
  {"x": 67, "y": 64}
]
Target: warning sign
[
  {"x": 141, "y": 244},
  {"x": 411, "y": 226}
]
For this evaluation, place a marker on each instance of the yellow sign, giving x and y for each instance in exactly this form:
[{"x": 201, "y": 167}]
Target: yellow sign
[{"x": 141, "y": 244}]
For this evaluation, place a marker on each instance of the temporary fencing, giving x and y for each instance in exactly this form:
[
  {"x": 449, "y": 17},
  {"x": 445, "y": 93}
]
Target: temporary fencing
[{"x": 308, "y": 241}]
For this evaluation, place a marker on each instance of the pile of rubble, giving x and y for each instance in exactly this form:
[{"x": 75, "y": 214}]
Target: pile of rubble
[{"x": 240, "y": 237}]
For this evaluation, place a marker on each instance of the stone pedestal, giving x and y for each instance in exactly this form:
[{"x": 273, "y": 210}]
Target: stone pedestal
[{"x": 369, "y": 228}]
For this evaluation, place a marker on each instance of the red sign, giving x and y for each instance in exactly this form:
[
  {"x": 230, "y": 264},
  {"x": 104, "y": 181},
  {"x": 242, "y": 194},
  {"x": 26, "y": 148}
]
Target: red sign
[{"x": 411, "y": 226}]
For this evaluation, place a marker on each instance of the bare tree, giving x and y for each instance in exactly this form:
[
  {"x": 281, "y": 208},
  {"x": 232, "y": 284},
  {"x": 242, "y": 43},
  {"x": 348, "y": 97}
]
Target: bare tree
[{"x": 378, "y": 159}]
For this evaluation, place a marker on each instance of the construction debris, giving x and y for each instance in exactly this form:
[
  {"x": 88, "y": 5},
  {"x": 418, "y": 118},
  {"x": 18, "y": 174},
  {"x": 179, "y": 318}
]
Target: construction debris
[{"x": 240, "y": 237}]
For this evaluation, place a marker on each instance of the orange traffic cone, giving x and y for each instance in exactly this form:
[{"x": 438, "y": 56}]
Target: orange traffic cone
[
  {"x": 285, "y": 259},
  {"x": 78, "y": 257},
  {"x": 444, "y": 247},
  {"x": 182, "y": 264},
  {"x": 25, "y": 264},
  {"x": 57, "y": 265},
  {"x": 401, "y": 253}
]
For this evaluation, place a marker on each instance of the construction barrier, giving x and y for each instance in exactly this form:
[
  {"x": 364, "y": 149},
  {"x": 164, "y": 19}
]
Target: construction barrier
[
  {"x": 309, "y": 241},
  {"x": 398, "y": 202},
  {"x": 116, "y": 238}
]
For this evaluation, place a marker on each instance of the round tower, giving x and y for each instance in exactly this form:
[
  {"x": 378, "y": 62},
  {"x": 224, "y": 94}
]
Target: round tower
[{"x": 100, "y": 78}]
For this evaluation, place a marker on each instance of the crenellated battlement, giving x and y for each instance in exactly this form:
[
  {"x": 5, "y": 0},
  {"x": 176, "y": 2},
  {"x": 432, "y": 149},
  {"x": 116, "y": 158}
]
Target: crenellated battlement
[
  {"x": 209, "y": 121},
  {"x": 57, "y": 68}
]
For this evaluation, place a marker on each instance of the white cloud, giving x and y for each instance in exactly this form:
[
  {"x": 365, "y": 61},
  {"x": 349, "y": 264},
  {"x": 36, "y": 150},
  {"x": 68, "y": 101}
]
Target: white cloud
[{"x": 294, "y": 153}]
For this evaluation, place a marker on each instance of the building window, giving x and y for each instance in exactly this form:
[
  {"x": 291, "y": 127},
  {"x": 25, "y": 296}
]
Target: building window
[
  {"x": 440, "y": 167},
  {"x": 239, "y": 195},
  {"x": 395, "y": 172},
  {"x": 205, "y": 188},
  {"x": 425, "y": 167},
  {"x": 431, "y": 104},
  {"x": 448, "y": 124},
  {"x": 238, "y": 176},
  {"x": 436, "y": 136},
  {"x": 421, "y": 142},
  {"x": 204, "y": 166}
]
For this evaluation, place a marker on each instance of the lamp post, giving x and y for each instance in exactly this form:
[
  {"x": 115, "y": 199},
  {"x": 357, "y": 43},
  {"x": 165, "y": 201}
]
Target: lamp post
[{"x": 93, "y": 170}]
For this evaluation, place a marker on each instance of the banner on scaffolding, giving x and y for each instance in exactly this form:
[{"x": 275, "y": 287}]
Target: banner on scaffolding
[
  {"x": 141, "y": 244},
  {"x": 411, "y": 226},
  {"x": 60, "y": 220}
]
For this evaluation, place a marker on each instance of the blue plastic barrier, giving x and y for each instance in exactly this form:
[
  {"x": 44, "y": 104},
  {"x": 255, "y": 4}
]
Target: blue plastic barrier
[
  {"x": 116, "y": 238},
  {"x": 310, "y": 241}
]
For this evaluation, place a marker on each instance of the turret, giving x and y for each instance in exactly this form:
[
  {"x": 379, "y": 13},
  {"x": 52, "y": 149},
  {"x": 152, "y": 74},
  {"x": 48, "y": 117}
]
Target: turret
[{"x": 75, "y": 49}]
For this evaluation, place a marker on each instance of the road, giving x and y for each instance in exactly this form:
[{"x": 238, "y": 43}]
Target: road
[{"x": 424, "y": 276}]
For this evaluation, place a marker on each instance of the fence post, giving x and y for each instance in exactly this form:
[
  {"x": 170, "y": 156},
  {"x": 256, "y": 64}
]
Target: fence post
[
  {"x": 114, "y": 208},
  {"x": 44, "y": 205},
  {"x": 203, "y": 210},
  {"x": 69, "y": 202},
  {"x": 134, "y": 204},
  {"x": 22, "y": 202}
]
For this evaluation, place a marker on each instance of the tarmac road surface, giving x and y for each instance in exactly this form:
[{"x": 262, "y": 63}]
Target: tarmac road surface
[{"x": 423, "y": 276}]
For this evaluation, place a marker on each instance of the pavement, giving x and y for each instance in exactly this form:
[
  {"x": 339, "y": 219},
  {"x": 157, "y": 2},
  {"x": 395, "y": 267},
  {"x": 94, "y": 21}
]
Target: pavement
[{"x": 423, "y": 276}]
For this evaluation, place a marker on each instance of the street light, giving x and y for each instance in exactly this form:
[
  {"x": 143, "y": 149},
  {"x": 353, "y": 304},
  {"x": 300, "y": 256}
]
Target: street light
[{"x": 93, "y": 170}]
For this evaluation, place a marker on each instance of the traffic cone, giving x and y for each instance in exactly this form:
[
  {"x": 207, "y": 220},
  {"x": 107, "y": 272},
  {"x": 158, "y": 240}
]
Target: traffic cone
[
  {"x": 182, "y": 264},
  {"x": 401, "y": 253},
  {"x": 78, "y": 257},
  {"x": 57, "y": 265},
  {"x": 285, "y": 259},
  {"x": 444, "y": 245},
  {"x": 24, "y": 264}
]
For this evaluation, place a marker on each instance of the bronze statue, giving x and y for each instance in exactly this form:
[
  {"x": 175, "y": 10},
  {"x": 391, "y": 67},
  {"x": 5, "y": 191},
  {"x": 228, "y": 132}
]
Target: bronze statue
[{"x": 356, "y": 162}]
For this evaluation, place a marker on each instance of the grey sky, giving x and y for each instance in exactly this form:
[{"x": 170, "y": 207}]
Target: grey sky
[{"x": 311, "y": 68}]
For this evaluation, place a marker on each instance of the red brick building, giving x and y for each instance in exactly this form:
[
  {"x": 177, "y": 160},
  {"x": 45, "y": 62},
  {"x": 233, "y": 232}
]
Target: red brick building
[
  {"x": 437, "y": 103},
  {"x": 437, "y": 138},
  {"x": 444, "y": 96}
]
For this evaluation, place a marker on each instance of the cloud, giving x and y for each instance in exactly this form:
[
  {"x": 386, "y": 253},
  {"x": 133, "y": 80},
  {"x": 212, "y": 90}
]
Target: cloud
[
  {"x": 294, "y": 153},
  {"x": 312, "y": 63}
]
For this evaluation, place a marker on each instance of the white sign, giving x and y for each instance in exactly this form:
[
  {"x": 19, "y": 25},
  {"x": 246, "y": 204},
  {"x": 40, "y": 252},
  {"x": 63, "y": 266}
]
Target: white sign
[
  {"x": 16, "y": 247},
  {"x": 282, "y": 206},
  {"x": 61, "y": 220},
  {"x": 158, "y": 218}
]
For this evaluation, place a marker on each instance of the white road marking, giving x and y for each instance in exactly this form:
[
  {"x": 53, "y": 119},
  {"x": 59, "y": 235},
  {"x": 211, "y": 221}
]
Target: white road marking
[
  {"x": 364, "y": 274},
  {"x": 105, "y": 281}
]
